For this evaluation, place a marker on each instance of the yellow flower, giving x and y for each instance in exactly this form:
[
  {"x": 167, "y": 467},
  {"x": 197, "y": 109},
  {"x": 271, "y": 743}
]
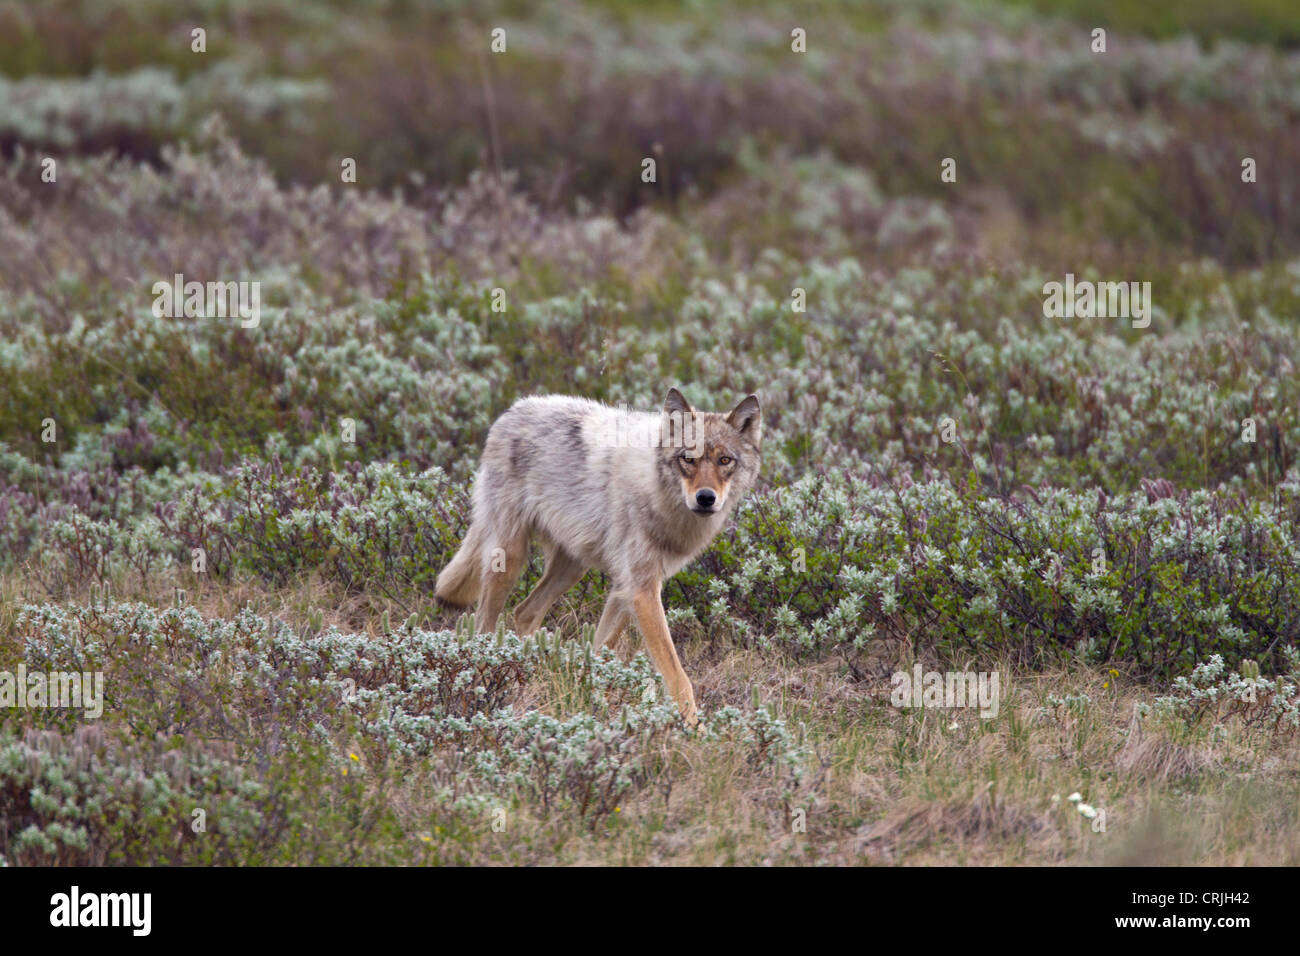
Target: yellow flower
[{"x": 355, "y": 757}]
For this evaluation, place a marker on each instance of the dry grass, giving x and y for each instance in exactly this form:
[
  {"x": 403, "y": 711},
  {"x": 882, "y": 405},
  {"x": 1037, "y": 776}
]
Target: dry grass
[{"x": 883, "y": 785}]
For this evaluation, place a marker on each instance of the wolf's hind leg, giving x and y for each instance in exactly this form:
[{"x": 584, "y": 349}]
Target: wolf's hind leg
[
  {"x": 503, "y": 559},
  {"x": 459, "y": 582},
  {"x": 562, "y": 572},
  {"x": 612, "y": 621}
]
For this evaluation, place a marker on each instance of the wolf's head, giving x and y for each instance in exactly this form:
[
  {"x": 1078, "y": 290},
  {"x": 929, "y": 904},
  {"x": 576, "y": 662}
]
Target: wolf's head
[{"x": 713, "y": 456}]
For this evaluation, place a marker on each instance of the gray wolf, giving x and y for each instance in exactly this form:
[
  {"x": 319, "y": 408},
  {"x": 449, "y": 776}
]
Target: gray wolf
[{"x": 635, "y": 494}]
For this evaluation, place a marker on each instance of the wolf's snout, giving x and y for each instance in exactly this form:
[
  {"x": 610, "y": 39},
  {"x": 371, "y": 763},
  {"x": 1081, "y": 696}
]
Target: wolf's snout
[{"x": 705, "y": 498}]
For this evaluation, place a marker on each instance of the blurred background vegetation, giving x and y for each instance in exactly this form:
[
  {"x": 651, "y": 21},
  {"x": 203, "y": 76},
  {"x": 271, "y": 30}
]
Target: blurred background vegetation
[{"x": 1131, "y": 158}]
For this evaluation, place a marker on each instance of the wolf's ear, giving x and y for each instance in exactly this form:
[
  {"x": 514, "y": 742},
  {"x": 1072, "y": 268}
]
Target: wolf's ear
[
  {"x": 675, "y": 402},
  {"x": 746, "y": 419}
]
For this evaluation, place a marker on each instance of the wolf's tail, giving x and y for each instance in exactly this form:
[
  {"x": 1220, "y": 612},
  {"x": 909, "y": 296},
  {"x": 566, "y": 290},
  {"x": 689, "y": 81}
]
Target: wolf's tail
[{"x": 459, "y": 581}]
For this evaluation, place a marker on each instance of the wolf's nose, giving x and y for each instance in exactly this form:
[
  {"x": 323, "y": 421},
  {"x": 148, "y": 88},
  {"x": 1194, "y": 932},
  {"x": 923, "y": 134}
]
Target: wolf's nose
[{"x": 705, "y": 498}]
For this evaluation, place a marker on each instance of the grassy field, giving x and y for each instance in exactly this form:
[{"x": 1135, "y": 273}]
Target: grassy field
[{"x": 238, "y": 524}]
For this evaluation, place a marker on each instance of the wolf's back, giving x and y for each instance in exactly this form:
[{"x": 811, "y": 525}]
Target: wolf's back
[{"x": 563, "y": 467}]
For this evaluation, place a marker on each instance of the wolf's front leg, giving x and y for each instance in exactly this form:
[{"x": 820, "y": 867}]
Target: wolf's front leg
[{"x": 650, "y": 618}]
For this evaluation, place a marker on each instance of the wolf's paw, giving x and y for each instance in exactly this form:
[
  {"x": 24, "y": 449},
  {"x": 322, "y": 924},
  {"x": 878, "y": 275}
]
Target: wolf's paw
[{"x": 691, "y": 715}]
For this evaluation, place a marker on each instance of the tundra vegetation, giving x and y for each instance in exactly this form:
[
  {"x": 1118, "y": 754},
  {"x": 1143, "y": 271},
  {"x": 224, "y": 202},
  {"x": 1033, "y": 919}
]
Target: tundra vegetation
[{"x": 240, "y": 526}]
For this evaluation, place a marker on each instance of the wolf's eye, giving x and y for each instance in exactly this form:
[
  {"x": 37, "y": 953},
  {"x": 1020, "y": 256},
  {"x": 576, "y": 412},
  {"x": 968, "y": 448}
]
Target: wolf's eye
[
  {"x": 686, "y": 459},
  {"x": 724, "y": 460}
]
